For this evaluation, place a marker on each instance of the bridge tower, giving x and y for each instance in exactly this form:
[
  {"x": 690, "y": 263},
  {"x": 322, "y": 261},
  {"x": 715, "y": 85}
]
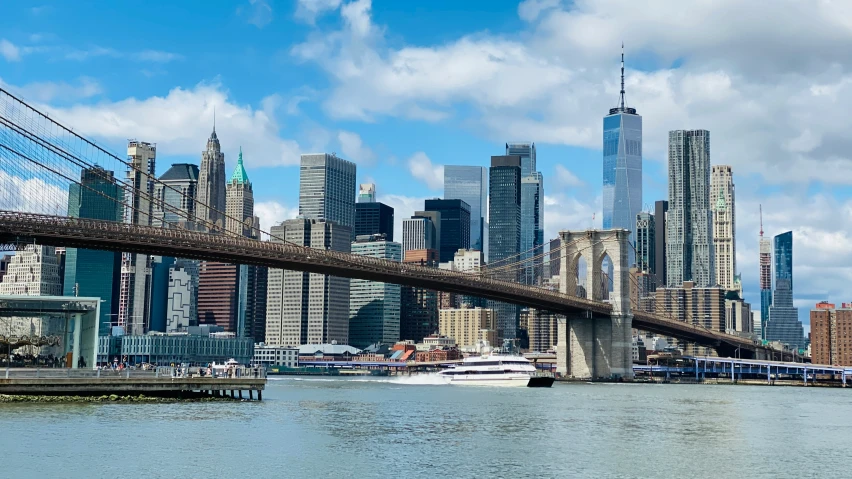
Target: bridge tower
[{"x": 589, "y": 345}]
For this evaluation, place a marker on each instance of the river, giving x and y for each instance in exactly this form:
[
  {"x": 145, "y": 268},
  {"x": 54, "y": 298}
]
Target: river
[{"x": 400, "y": 427}]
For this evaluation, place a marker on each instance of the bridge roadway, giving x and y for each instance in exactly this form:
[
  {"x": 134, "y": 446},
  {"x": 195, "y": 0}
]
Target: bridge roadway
[{"x": 17, "y": 229}]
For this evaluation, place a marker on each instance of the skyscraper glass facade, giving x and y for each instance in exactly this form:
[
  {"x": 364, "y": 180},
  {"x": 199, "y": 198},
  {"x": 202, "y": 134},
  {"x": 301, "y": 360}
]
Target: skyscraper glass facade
[
  {"x": 470, "y": 184},
  {"x": 622, "y": 169},
  {"x": 373, "y": 218},
  {"x": 532, "y": 210},
  {"x": 88, "y": 272},
  {"x": 504, "y": 232},
  {"x": 645, "y": 242},
  {"x": 374, "y": 307},
  {"x": 784, "y": 324},
  {"x": 454, "y": 228}
]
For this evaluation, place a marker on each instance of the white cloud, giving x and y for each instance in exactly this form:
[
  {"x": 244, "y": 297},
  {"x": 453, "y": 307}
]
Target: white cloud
[
  {"x": 157, "y": 56},
  {"x": 186, "y": 126},
  {"x": 563, "y": 212},
  {"x": 308, "y": 10},
  {"x": 9, "y": 51},
  {"x": 32, "y": 195},
  {"x": 565, "y": 177},
  {"x": 272, "y": 213},
  {"x": 529, "y": 10},
  {"x": 153, "y": 56},
  {"x": 743, "y": 83},
  {"x": 257, "y": 13},
  {"x": 354, "y": 149},
  {"x": 421, "y": 167},
  {"x": 46, "y": 91}
]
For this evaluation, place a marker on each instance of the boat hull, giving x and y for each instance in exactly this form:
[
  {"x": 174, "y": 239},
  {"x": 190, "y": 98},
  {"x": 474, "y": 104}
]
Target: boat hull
[
  {"x": 516, "y": 381},
  {"x": 541, "y": 382}
]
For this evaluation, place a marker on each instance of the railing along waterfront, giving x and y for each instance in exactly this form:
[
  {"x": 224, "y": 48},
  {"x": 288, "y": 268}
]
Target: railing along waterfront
[{"x": 161, "y": 372}]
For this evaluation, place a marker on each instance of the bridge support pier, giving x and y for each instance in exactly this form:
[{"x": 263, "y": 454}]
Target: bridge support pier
[{"x": 596, "y": 347}]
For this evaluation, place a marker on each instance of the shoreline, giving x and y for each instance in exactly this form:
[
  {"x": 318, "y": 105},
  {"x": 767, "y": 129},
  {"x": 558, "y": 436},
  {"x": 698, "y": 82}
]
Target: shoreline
[{"x": 110, "y": 398}]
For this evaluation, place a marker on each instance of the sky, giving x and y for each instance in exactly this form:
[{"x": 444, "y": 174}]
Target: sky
[{"x": 403, "y": 88}]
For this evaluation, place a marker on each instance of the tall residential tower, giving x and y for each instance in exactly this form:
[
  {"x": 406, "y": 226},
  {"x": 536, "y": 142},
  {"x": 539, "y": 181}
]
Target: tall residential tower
[{"x": 689, "y": 238}]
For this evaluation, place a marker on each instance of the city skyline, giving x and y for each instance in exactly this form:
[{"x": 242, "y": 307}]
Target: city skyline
[{"x": 384, "y": 150}]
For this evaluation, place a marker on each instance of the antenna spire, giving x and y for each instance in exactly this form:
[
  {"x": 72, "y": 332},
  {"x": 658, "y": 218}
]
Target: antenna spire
[
  {"x": 214, "y": 115},
  {"x": 621, "y": 106},
  {"x": 761, "y": 221}
]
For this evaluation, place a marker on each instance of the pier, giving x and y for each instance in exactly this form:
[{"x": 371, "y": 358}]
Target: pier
[{"x": 237, "y": 383}]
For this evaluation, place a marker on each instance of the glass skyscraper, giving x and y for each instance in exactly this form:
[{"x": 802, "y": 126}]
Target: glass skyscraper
[
  {"x": 504, "y": 233},
  {"x": 622, "y": 166},
  {"x": 454, "y": 228},
  {"x": 90, "y": 272},
  {"x": 532, "y": 210},
  {"x": 470, "y": 183},
  {"x": 784, "y": 324}
]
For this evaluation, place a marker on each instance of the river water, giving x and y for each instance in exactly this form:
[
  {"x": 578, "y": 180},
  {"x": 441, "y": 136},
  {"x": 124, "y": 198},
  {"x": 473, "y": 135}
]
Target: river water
[{"x": 325, "y": 427}]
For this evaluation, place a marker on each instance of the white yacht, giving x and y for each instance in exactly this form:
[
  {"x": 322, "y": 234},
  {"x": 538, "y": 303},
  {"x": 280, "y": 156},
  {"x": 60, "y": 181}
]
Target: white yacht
[{"x": 496, "y": 370}]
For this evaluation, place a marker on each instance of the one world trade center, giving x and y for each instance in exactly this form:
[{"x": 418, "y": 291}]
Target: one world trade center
[{"x": 622, "y": 166}]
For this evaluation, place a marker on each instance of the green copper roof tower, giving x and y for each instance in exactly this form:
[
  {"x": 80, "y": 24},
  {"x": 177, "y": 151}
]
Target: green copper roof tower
[{"x": 240, "y": 176}]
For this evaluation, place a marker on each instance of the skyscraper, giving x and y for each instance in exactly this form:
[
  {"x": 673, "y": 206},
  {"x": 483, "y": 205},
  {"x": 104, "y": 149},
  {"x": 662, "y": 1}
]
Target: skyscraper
[
  {"x": 371, "y": 217},
  {"x": 211, "y": 183},
  {"x": 454, "y": 228},
  {"x": 418, "y": 306},
  {"x": 661, "y": 212},
  {"x": 327, "y": 189},
  {"x": 784, "y": 324},
  {"x": 420, "y": 233},
  {"x": 689, "y": 239},
  {"x": 367, "y": 193},
  {"x": 765, "y": 278},
  {"x": 504, "y": 232},
  {"x": 532, "y": 210},
  {"x": 644, "y": 234},
  {"x": 470, "y": 183},
  {"x": 724, "y": 226},
  {"x": 88, "y": 272},
  {"x": 239, "y": 204},
  {"x": 176, "y": 195},
  {"x": 134, "y": 299},
  {"x": 374, "y": 307},
  {"x": 622, "y": 165},
  {"x": 308, "y": 308}
]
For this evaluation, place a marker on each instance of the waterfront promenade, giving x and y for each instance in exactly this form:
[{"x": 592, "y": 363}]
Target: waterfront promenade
[{"x": 161, "y": 382}]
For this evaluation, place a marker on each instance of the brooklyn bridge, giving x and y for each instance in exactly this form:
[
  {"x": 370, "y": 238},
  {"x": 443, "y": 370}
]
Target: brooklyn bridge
[{"x": 40, "y": 159}]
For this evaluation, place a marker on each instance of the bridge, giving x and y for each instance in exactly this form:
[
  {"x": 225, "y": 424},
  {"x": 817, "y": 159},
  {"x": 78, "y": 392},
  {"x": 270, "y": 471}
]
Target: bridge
[{"x": 41, "y": 160}]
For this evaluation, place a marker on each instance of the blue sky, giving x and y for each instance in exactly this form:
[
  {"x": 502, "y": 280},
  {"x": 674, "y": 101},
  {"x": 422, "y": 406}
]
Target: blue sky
[{"x": 402, "y": 88}]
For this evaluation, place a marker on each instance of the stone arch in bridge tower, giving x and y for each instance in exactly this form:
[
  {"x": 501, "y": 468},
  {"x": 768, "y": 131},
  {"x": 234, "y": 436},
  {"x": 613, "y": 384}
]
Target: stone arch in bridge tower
[
  {"x": 594, "y": 246},
  {"x": 591, "y": 346}
]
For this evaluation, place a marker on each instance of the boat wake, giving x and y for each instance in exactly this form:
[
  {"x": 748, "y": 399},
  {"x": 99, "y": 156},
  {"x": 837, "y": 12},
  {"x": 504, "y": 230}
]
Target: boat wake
[{"x": 428, "y": 379}]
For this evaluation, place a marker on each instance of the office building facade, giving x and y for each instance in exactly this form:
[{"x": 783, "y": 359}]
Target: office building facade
[
  {"x": 661, "y": 211},
  {"x": 373, "y": 218},
  {"x": 783, "y": 324},
  {"x": 94, "y": 273},
  {"x": 470, "y": 184},
  {"x": 765, "y": 278},
  {"x": 420, "y": 233},
  {"x": 327, "y": 189},
  {"x": 308, "y": 308},
  {"x": 504, "y": 232},
  {"x": 134, "y": 298},
  {"x": 211, "y": 185},
  {"x": 454, "y": 226},
  {"x": 467, "y": 325},
  {"x": 689, "y": 240},
  {"x": 34, "y": 271},
  {"x": 724, "y": 226},
  {"x": 176, "y": 195},
  {"x": 644, "y": 234},
  {"x": 418, "y": 306},
  {"x": 374, "y": 307},
  {"x": 532, "y": 211}
]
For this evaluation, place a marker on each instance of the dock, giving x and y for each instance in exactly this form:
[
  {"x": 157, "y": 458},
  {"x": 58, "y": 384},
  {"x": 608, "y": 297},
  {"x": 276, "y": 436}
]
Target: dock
[{"x": 164, "y": 382}]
